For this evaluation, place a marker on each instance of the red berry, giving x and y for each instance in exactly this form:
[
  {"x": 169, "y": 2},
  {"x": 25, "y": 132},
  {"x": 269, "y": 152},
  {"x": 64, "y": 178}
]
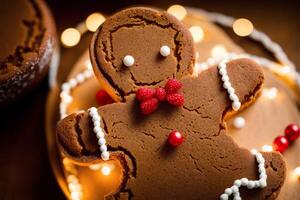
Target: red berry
[
  {"x": 281, "y": 143},
  {"x": 292, "y": 132},
  {"x": 161, "y": 94},
  {"x": 143, "y": 94},
  {"x": 149, "y": 106},
  {"x": 175, "y": 99},
  {"x": 172, "y": 86},
  {"x": 103, "y": 98},
  {"x": 175, "y": 138}
]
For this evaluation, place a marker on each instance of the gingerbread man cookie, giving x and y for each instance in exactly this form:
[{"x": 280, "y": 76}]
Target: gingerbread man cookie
[{"x": 180, "y": 149}]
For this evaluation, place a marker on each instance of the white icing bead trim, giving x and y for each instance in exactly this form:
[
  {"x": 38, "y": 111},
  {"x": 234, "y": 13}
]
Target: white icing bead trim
[
  {"x": 250, "y": 184},
  {"x": 128, "y": 61},
  {"x": 239, "y": 122},
  {"x": 236, "y": 104},
  {"x": 93, "y": 113},
  {"x": 165, "y": 51}
]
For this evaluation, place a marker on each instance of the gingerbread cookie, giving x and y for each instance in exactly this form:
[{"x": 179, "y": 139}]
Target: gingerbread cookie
[
  {"x": 140, "y": 47},
  {"x": 179, "y": 150}
]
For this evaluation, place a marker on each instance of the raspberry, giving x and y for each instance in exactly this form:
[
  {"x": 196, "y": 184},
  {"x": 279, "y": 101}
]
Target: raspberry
[
  {"x": 175, "y": 99},
  {"x": 149, "y": 106},
  {"x": 103, "y": 98},
  {"x": 172, "y": 86},
  {"x": 143, "y": 94},
  {"x": 161, "y": 94}
]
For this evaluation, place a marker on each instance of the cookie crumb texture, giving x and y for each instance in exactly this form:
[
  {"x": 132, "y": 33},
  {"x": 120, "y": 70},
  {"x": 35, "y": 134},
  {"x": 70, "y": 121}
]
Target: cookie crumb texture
[
  {"x": 28, "y": 43},
  {"x": 202, "y": 167},
  {"x": 140, "y": 33}
]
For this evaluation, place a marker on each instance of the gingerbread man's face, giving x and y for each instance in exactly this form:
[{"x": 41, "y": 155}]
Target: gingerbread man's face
[
  {"x": 207, "y": 162},
  {"x": 140, "y": 47}
]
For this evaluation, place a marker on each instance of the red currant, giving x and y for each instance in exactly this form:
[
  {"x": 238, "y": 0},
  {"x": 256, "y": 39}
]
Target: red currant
[
  {"x": 292, "y": 132},
  {"x": 175, "y": 138}
]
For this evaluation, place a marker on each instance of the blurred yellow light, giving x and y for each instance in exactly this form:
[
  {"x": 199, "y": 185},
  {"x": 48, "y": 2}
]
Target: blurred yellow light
[
  {"x": 95, "y": 167},
  {"x": 197, "y": 33},
  {"x": 218, "y": 51},
  {"x": 270, "y": 93},
  {"x": 70, "y": 37},
  {"x": 242, "y": 27},
  {"x": 297, "y": 171},
  {"x": 177, "y": 11},
  {"x": 105, "y": 170},
  {"x": 93, "y": 21},
  {"x": 267, "y": 148}
]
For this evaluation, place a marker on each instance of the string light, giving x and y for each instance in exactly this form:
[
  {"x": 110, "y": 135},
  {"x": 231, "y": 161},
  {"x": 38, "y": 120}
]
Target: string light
[
  {"x": 95, "y": 167},
  {"x": 270, "y": 93},
  {"x": 285, "y": 69},
  {"x": 267, "y": 148},
  {"x": 93, "y": 21},
  {"x": 242, "y": 27},
  {"x": 218, "y": 51},
  {"x": 70, "y": 37},
  {"x": 297, "y": 172},
  {"x": 74, "y": 187},
  {"x": 177, "y": 11},
  {"x": 197, "y": 33},
  {"x": 105, "y": 170}
]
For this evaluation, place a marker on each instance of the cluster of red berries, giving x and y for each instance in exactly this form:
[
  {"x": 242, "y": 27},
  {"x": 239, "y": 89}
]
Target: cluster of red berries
[
  {"x": 291, "y": 133},
  {"x": 150, "y": 97}
]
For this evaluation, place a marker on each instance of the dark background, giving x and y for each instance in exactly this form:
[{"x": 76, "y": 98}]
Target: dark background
[{"x": 24, "y": 167}]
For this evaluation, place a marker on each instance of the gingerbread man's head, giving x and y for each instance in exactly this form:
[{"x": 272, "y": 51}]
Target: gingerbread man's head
[
  {"x": 140, "y": 47},
  {"x": 208, "y": 161}
]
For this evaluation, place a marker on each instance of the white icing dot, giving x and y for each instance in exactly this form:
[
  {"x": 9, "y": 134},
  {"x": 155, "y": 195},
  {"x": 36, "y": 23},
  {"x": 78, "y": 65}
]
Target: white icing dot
[
  {"x": 97, "y": 129},
  {"x": 224, "y": 197},
  {"x": 165, "y": 50},
  {"x": 100, "y": 134},
  {"x": 105, "y": 155},
  {"x": 103, "y": 148},
  {"x": 237, "y": 183},
  {"x": 128, "y": 61},
  {"x": 228, "y": 191},
  {"x": 236, "y": 105},
  {"x": 239, "y": 122},
  {"x": 101, "y": 141},
  {"x": 250, "y": 185}
]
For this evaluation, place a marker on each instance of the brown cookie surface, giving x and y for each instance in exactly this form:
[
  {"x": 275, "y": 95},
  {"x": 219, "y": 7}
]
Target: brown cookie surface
[
  {"x": 140, "y": 32},
  {"x": 207, "y": 162}
]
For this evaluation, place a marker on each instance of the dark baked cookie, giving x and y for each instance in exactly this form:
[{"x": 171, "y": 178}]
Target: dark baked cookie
[
  {"x": 28, "y": 43},
  {"x": 140, "y": 33},
  {"x": 207, "y": 162}
]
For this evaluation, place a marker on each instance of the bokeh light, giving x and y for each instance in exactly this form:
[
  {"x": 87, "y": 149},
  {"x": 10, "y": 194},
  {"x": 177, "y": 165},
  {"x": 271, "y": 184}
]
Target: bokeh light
[
  {"x": 197, "y": 33},
  {"x": 242, "y": 27},
  {"x": 218, "y": 51},
  {"x": 105, "y": 170},
  {"x": 267, "y": 148},
  {"x": 177, "y": 11},
  {"x": 70, "y": 37},
  {"x": 93, "y": 21}
]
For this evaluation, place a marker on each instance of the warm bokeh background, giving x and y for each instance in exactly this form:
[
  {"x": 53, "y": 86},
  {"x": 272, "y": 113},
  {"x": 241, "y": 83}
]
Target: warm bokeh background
[{"x": 24, "y": 168}]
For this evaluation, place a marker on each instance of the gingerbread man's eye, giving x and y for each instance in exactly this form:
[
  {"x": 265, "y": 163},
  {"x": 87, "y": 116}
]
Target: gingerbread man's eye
[
  {"x": 128, "y": 60},
  {"x": 165, "y": 51}
]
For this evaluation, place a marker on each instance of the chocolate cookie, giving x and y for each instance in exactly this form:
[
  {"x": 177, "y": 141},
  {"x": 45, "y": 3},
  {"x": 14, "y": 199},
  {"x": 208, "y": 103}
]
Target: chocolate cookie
[
  {"x": 28, "y": 44},
  {"x": 208, "y": 160},
  {"x": 138, "y": 38}
]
